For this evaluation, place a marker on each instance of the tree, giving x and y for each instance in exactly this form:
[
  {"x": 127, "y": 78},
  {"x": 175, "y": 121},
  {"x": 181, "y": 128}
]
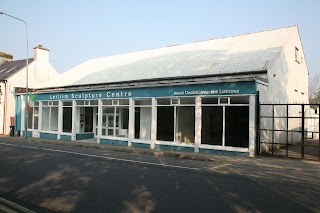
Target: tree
[{"x": 314, "y": 88}]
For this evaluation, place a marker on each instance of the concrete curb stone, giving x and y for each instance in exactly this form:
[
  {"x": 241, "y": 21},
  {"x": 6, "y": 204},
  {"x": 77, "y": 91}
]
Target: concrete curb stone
[{"x": 155, "y": 153}]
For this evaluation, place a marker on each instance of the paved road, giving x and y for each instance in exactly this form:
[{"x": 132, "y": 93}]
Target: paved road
[{"x": 51, "y": 178}]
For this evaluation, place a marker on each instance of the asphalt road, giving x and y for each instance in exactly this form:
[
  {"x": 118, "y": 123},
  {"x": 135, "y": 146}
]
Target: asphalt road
[{"x": 50, "y": 178}]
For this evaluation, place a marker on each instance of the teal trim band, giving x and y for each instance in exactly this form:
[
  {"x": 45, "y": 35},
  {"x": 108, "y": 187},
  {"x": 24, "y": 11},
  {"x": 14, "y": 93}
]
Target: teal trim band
[
  {"x": 113, "y": 142},
  {"x": 212, "y": 89},
  {"x": 82, "y": 136},
  {"x": 65, "y": 137},
  {"x": 29, "y": 134},
  {"x": 174, "y": 148},
  {"x": 140, "y": 145},
  {"x": 48, "y": 136},
  {"x": 223, "y": 152}
]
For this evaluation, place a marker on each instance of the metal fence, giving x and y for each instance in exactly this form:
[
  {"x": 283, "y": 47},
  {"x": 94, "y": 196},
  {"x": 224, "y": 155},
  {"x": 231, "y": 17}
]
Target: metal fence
[{"x": 289, "y": 130}]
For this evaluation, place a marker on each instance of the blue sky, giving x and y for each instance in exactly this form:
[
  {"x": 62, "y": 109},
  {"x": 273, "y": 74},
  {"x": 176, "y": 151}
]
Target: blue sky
[{"x": 75, "y": 31}]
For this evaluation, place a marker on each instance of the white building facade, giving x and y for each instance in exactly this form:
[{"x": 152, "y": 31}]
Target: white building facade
[
  {"x": 198, "y": 97},
  {"x": 13, "y": 74}
]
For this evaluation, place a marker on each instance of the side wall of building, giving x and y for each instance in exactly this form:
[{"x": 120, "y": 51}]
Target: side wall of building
[{"x": 288, "y": 84}]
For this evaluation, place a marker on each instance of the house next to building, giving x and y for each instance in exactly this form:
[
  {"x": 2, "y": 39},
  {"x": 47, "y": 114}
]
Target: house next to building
[
  {"x": 196, "y": 97},
  {"x": 13, "y": 74}
]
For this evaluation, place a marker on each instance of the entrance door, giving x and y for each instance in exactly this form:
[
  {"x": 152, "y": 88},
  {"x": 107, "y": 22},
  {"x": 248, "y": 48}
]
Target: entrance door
[{"x": 108, "y": 123}]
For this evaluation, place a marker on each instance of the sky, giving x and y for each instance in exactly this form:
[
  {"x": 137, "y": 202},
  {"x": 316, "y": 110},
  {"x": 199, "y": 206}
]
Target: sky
[{"x": 76, "y": 31}]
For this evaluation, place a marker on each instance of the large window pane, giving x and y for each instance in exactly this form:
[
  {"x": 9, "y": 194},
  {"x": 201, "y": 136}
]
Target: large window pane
[
  {"x": 54, "y": 119},
  {"x": 185, "y": 124},
  {"x": 143, "y": 121},
  {"x": 45, "y": 118},
  {"x": 30, "y": 118},
  {"x": 212, "y": 125},
  {"x": 36, "y": 123},
  {"x": 122, "y": 121},
  {"x": 67, "y": 119},
  {"x": 165, "y": 123},
  {"x": 237, "y": 126}
]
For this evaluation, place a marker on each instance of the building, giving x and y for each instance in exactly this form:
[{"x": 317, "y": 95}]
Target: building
[
  {"x": 197, "y": 97},
  {"x": 13, "y": 74}
]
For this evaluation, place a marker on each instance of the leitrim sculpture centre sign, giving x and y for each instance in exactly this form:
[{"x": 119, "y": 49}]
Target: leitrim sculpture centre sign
[{"x": 181, "y": 90}]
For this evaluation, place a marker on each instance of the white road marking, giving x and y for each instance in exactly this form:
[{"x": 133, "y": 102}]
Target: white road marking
[
  {"x": 219, "y": 166},
  {"x": 104, "y": 157}
]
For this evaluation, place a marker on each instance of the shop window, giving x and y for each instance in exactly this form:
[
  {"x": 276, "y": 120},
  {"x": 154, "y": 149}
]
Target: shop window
[
  {"x": 142, "y": 124},
  {"x": 176, "y": 122},
  {"x": 185, "y": 124},
  {"x": 212, "y": 125},
  {"x": 33, "y": 117},
  {"x": 67, "y": 116},
  {"x": 50, "y": 116},
  {"x": 165, "y": 123},
  {"x": 142, "y": 119},
  {"x": 237, "y": 126}
]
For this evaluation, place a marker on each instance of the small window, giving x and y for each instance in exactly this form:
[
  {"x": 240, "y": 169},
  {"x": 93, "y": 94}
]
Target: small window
[
  {"x": 223, "y": 100},
  {"x": 146, "y": 102},
  {"x": 94, "y": 102},
  {"x": 124, "y": 102},
  {"x": 87, "y": 103},
  {"x": 106, "y": 102},
  {"x": 297, "y": 55},
  {"x": 175, "y": 101},
  {"x": 210, "y": 100},
  {"x": 163, "y": 101},
  {"x": 239, "y": 100},
  {"x": 187, "y": 100},
  {"x": 67, "y": 103},
  {"x": 115, "y": 102},
  {"x": 80, "y": 102}
]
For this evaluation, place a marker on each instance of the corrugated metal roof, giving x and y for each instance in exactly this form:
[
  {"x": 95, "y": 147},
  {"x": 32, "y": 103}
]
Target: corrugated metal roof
[
  {"x": 236, "y": 54},
  {"x": 11, "y": 67}
]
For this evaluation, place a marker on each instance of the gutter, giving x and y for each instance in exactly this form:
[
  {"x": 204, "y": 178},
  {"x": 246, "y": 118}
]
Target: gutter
[{"x": 243, "y": 76}]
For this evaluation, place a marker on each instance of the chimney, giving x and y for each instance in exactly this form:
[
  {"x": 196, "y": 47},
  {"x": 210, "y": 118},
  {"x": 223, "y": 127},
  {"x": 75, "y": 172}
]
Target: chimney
[
  {"x": 4, "y": 57},
  {"x": 41, "y": 54}
]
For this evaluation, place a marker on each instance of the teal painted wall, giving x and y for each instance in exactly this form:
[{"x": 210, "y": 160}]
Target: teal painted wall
[
  {"x": 114, "y": 142},
  {"x": 29, "y": 134},
  {"x": 65, "y": 137},
  {"x": 222, "y": 152},
  {"x": 174, "y": 148},
  {"x": 48, "y": 136},
  {"x": 82, "y": 136},
  {"x": 141, "y": 145}
]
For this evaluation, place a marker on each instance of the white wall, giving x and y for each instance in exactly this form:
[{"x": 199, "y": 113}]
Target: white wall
[
  {"x": 288, "y": 83},
  {"x": 38, "y": 72}
]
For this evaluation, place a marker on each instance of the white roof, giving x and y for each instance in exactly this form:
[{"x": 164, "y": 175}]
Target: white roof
[{"x": 229, "y": 55}]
